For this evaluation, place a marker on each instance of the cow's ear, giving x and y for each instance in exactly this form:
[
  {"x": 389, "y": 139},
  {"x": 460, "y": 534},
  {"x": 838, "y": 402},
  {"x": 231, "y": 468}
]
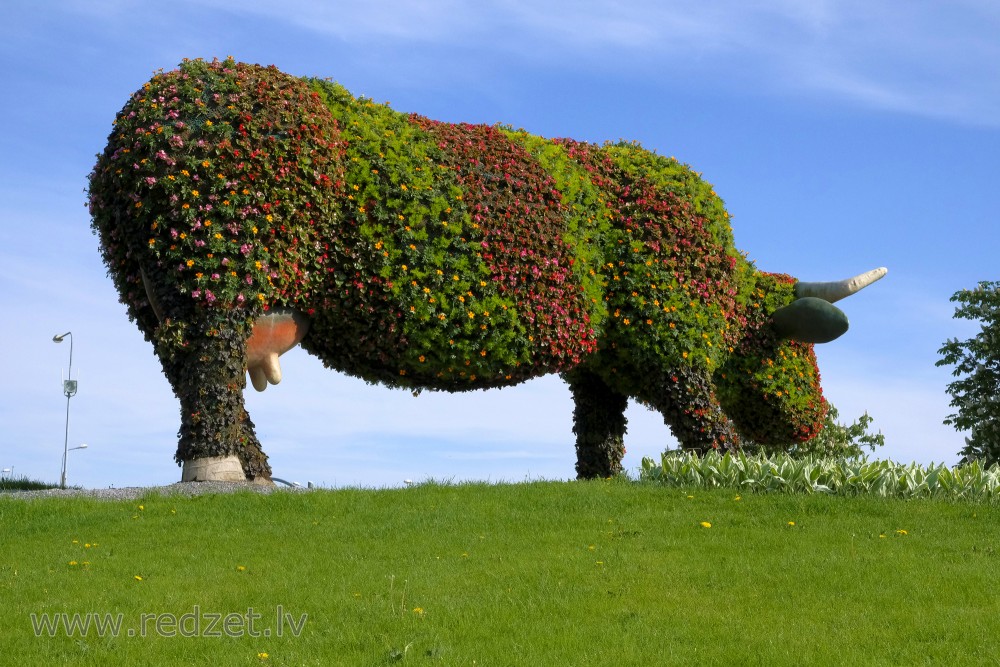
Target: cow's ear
[{"x": 810, "y": 320}]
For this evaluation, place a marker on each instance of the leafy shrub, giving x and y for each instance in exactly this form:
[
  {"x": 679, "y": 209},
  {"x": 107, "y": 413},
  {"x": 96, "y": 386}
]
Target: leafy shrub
[
  {"x": 788, "y": 474},
  {"x": 834, "y": 441}
]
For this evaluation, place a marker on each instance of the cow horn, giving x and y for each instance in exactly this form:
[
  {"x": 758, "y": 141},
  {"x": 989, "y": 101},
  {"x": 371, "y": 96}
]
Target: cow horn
[{"x": 837, "y": 290}]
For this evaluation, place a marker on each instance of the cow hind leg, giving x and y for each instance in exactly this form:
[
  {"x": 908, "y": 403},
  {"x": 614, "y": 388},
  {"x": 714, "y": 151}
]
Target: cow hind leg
[
  {"x": 205, "y": 365},
  {"x": 599, "y": 424}
]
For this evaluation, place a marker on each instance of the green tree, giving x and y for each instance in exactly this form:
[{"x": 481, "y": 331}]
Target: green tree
[{"x": 976, "y": 393}]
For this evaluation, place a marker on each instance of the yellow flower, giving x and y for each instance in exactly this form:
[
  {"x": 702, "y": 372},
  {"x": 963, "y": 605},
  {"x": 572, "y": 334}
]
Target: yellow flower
[
  {"x": 901, "y": 532},
  {"x": 262, "y": 656},
  {"x": 705, "y": 524},
  {"x": 137, "y": 578},
  {"x": 240, "y": 568},
  {"x": 419, "y": 611},
  {"x": 72, "y": 562},
  {"x": 791, "y": 523}
]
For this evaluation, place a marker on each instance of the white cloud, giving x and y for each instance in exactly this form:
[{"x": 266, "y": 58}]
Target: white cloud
[{"x": 912, "y": 58}]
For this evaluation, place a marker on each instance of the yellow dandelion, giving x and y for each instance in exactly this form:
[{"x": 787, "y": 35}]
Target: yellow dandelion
[{"x": 706, "y": 524}]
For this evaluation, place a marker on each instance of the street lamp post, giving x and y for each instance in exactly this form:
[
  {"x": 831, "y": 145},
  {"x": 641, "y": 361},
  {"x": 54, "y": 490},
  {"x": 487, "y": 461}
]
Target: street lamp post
[{"x": 69, "y": 389}]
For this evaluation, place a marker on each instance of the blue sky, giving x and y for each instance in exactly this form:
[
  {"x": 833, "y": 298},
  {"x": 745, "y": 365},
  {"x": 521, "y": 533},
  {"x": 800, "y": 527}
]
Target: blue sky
[{"x": 842, "y": 134}]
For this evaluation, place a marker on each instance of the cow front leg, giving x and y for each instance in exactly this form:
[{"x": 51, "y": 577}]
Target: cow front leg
[
  {"x": 687, "y": 401},
  {"x": 599, "y": 424},
  {"x": 205, "y": 365}
]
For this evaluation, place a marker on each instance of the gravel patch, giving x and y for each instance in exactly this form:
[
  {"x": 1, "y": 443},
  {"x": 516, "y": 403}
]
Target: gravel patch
[{"x": 186, "y": 489}]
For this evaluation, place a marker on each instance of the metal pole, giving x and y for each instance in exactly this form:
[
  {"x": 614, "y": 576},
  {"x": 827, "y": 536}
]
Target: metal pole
[
  {"x": 62, "y": 477},
  {"x": 69, "y": 390}
]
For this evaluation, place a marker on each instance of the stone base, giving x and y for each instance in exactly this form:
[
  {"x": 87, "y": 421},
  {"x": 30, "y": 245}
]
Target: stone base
[{"x": 214, "y": 469}]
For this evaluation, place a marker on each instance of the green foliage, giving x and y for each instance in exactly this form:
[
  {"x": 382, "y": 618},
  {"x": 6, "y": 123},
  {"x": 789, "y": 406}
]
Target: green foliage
[
  {"x": 790, "y": 474},
  {"x": 24, "y": 484},
  {"x": 976, "y": 394},
  {"x": 835, "y": 440}
]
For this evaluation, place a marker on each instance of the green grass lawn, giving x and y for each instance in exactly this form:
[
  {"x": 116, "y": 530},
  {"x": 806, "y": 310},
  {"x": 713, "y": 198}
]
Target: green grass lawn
[{"x": 548, "y": 573}]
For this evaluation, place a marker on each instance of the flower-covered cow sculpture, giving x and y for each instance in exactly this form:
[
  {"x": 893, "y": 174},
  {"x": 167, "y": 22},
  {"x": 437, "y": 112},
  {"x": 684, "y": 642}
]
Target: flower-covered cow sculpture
[{"x": 242, "y": 211}]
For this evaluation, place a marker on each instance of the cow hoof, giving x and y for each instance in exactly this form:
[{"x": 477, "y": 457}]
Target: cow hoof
[{"x": 214, "y": 469}]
